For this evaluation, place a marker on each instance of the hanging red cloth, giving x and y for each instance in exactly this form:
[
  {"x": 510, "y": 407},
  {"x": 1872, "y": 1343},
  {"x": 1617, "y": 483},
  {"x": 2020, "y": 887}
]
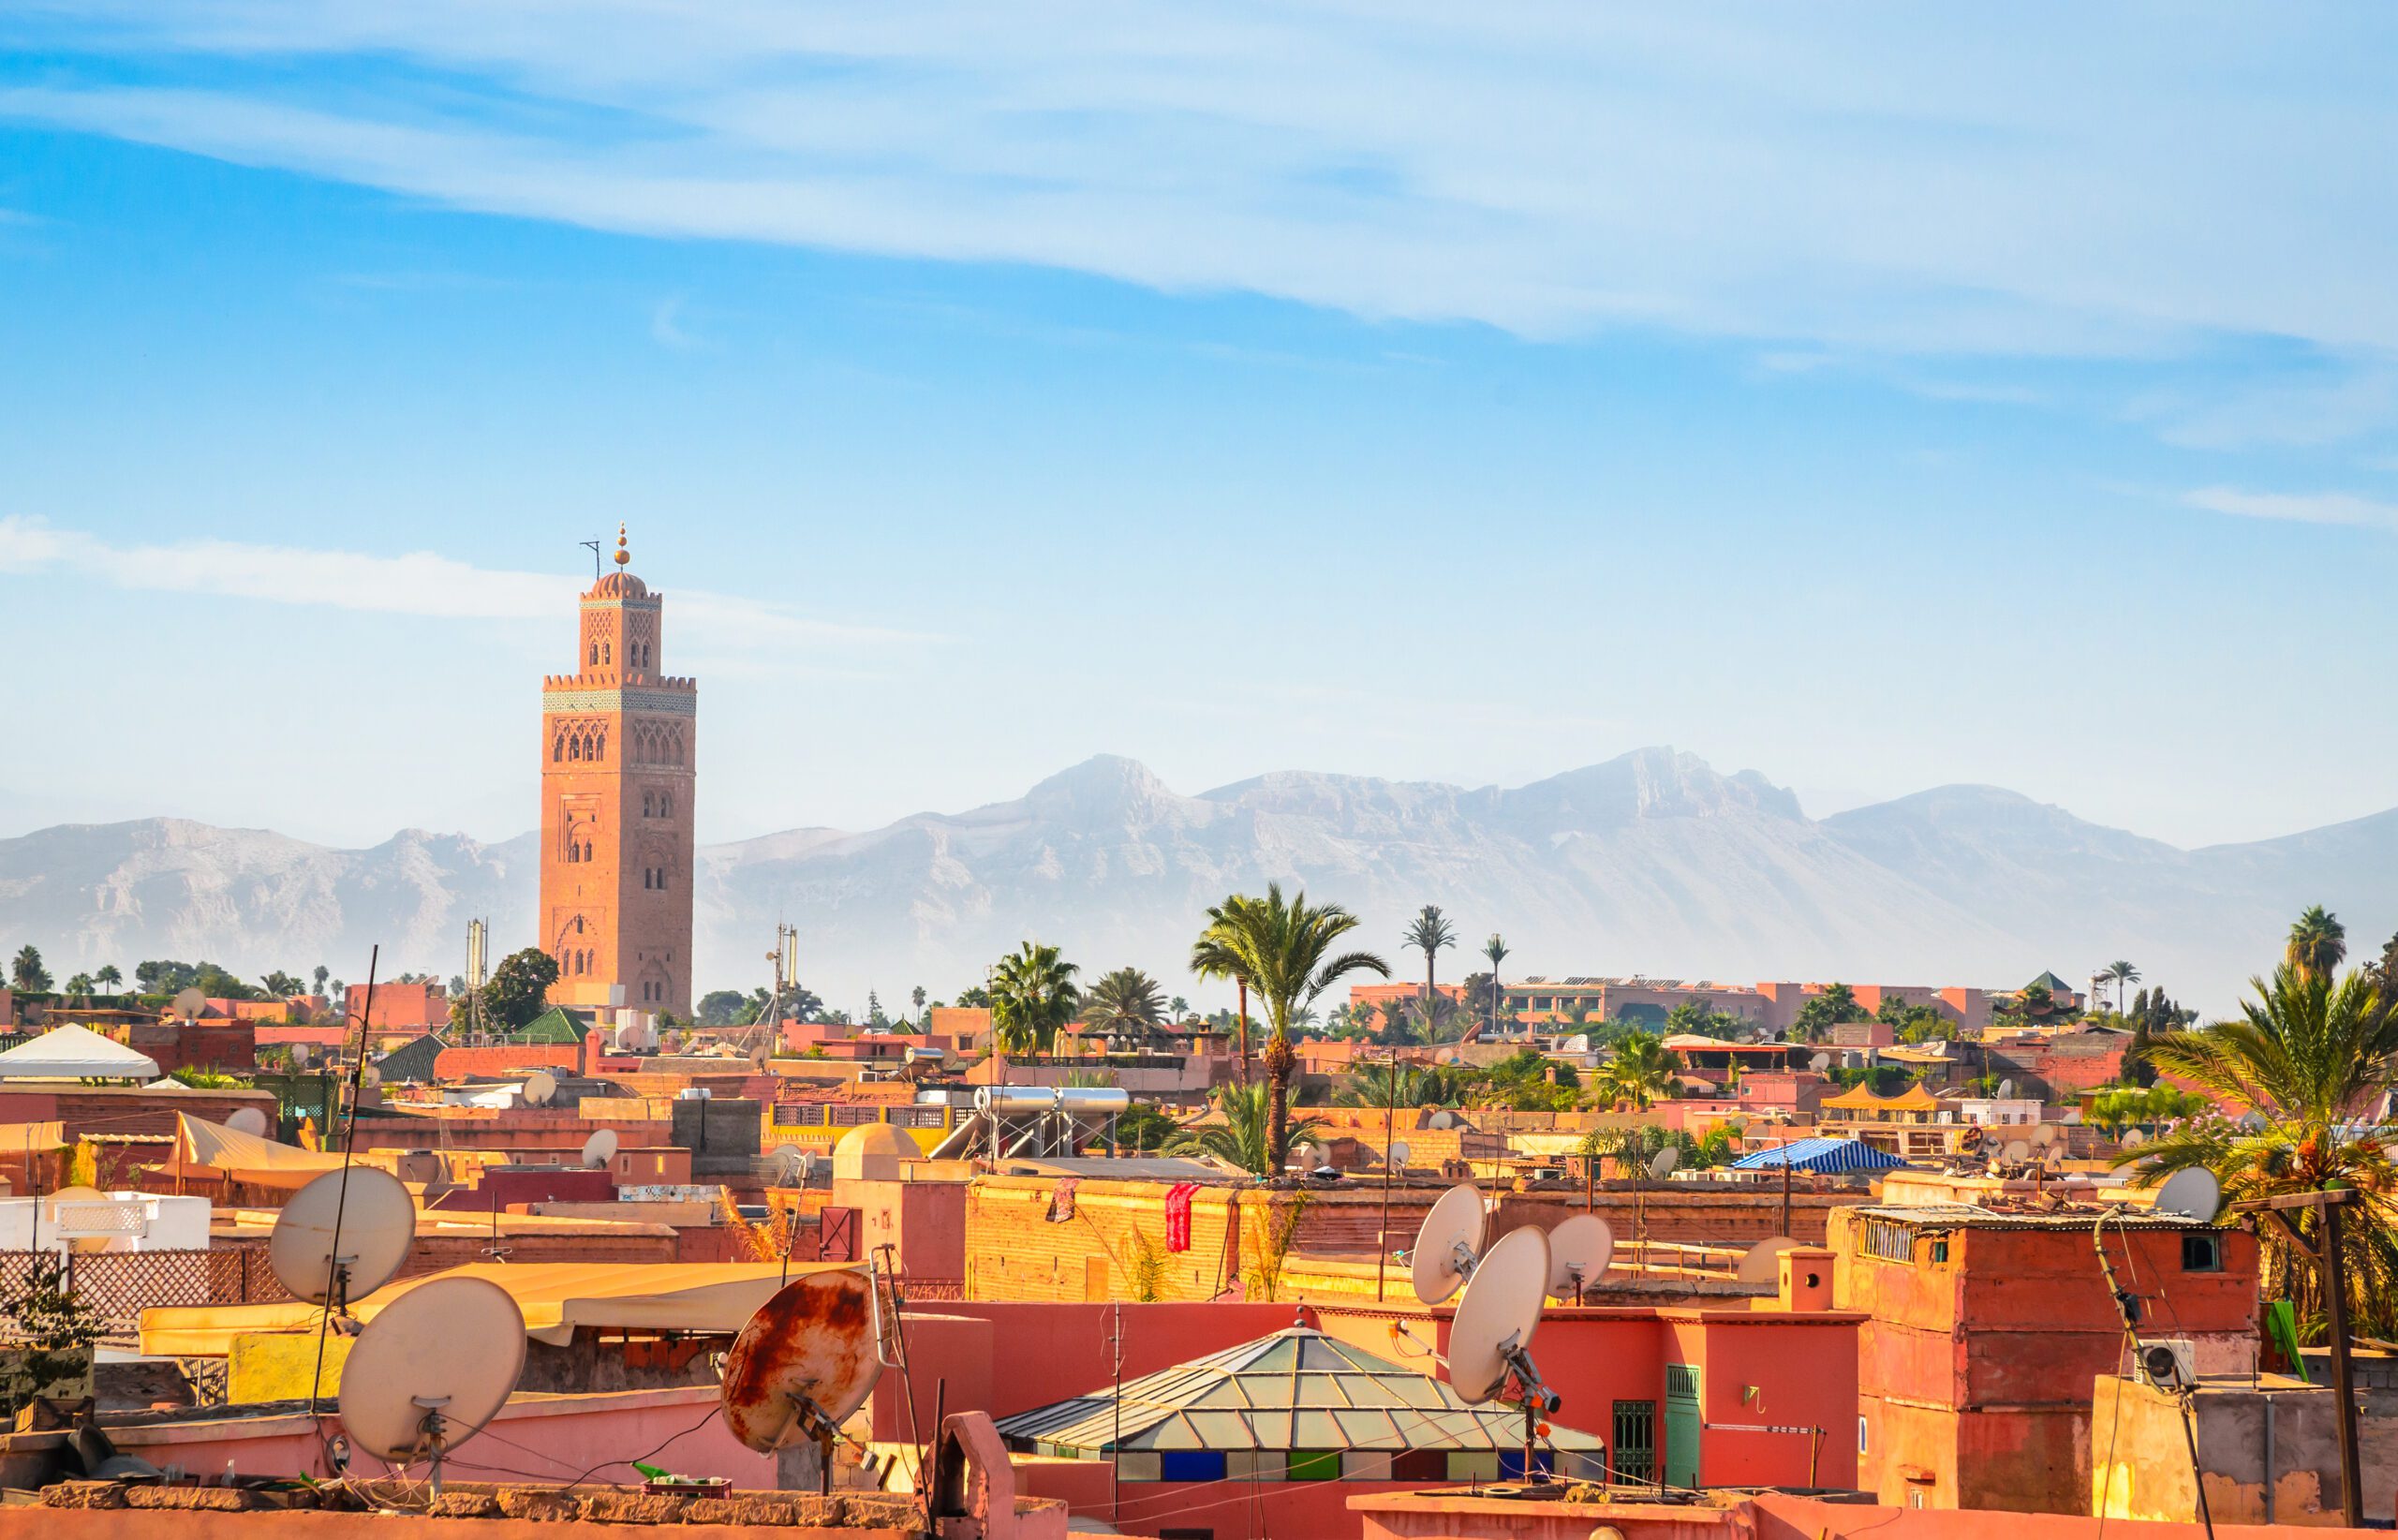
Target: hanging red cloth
[{"x": 1177, "y": 1215}]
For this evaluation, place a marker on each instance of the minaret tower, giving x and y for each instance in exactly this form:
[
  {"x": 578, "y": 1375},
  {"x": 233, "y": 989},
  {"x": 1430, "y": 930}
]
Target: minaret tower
[{"x": 618, "y": 750}]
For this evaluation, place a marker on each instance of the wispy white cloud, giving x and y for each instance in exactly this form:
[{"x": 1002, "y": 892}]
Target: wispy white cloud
[
  {"x": 414, "y": 582},
  {"x": 2340, "y": 508},
  {"x": 1909, "y": 179}
]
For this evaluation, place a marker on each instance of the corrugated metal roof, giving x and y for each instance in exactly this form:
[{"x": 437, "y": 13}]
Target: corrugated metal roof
[
  {"x": 1956, "y": 1216},
  {"x": 1296, "y": 1389},
  {"x": 1820, "y": 1154}
]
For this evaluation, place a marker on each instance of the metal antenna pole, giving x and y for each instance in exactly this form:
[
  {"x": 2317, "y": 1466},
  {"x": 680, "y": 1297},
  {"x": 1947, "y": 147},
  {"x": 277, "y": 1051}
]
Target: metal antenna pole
[
  {"x": 2343, "y": 1374},
  {"x": 1390, "y": 1114}
]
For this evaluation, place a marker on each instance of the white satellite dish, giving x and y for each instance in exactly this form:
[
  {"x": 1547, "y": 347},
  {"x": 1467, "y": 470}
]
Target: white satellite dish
[
  {"x": 249, "y": 1120},
  {"x": 2044, "y": 1134},
  {"x": 1662, "y": 1165},
  {"x": 1448, "y": 1244},
  {"x": 2192, "y": 1192},
  {"x": 1307, "y": 1156},
  {"x": 1578, "y": 1044},
  {"x": 1494, "y": 1324},
  {"x": 2006, "y": 1091},
  {"x": 431, "y": 1368},
  {"x": 1820, "y": 1063},
  {"x": 1758, "y": 1264},
  {"x": 541, "y": 1088},
  {"x": 1441, "y": 1117},
  {"x": 804, "y": 1363},
  {"x": 1579, "y": 1252},
  {"x": 600, "y": 1147},
  {"x": 189, "y": 1004},
  {"x": 376, "y": 1219},
  {"x": 790, "y": 1164},
  {"x": 2017, "y": 1150},
  {"x": 1398, "y": 1154},
  {"x": 2134, "y": 1138}
]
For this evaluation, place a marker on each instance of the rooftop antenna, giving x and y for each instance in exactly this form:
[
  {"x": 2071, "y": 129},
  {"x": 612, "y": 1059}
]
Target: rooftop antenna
[
  {"x": 1448, "y": 1245},
  {"x": 541, "y": 1088},
  {"x": 1579, "y": 1252},
  {"x": 1490, "y": 1336},
  {"x": 189, "y": 1004},
  {"x": 595, "y": 547},
  {"x": 804, "y": 1363},
  {"x": 2192, "y": 1193},
  {"x": 432, "y": 1368},
  {"x": 600, "y": 1148}
]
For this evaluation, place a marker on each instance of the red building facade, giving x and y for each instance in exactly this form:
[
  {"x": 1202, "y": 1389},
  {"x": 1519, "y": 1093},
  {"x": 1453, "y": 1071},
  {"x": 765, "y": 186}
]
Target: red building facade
[{"x": 619, "y": 748}]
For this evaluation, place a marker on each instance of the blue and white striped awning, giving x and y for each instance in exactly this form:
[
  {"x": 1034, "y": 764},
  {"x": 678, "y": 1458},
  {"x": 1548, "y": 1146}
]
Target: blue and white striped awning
[{"x": 1828, "y": 1156}]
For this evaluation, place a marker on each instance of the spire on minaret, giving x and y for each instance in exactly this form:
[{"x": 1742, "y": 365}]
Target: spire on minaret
[{"x": 623, "y": 555}]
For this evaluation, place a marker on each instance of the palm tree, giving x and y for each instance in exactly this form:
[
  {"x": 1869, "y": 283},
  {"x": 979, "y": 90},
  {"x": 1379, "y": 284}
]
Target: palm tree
[
  {"x": 1244, "y": 1138},
  {"x": 1427, "y": 933},
  {"x": 1284, "y": 951},
  {"x": 1124, "y": 1003},
  {"x": 109, "y": 976},
  {"x": 1378, "y": 1083},
  {"x": 1496, "y": 950},
  {"x": 2317, "y": 941},
  {"x": 80, "y": 986},
  {"x": 1032, "y": 996},
  {"x": 2122, "y": 974},
  {"x": 2310, "y": 1056},
  {"x": 1642, "y": 1072},
  {"x": 1180, "y": 1006},
  {"x": 27, "y": 973}
]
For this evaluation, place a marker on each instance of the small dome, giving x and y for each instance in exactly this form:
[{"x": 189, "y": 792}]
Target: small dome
[
  {"x": 620, "y": 585},
  {"x": 872, "y": 1152}
]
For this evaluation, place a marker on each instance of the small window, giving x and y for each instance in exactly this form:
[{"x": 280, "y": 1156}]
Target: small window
[
  {"x": 2202, "y": 1253},
  {"x": 1940, "y": 1249}
]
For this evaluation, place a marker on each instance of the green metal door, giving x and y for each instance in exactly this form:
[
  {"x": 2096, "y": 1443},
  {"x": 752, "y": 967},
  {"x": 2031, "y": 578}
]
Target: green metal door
[{"x": 1681, "y": 1425}]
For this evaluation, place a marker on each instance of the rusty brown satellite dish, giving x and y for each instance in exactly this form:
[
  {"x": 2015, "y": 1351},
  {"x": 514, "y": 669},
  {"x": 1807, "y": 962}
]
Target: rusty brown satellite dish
[{"x": 804, "y": 1362}]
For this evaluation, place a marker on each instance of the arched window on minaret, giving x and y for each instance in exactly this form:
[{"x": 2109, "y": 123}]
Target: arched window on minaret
[
  {"x": 595, "y": 654},
  {"x": 602, "y": 752},
  {"x": 605, "y": 653},
  {"x": 574, "y": 748},
  {"x": 558, "y": 748}
]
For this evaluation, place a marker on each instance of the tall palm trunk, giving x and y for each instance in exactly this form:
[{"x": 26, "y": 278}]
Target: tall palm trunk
[
  {"x": 1429, "y": 970},
  {"x": 1243, "y": 984},
  {"x": 1280, "y": 1058}
]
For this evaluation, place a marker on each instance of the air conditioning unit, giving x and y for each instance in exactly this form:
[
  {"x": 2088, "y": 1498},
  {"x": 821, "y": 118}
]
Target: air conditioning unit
[{"x": 2169, "y": 1363}]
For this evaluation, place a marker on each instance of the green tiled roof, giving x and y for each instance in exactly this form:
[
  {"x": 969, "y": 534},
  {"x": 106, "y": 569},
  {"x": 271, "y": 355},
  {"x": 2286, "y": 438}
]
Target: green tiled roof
[{"x": 554, "y": 1025}]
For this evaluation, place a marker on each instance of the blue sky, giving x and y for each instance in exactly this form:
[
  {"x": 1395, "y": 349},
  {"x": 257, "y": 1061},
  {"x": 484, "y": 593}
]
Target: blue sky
[{"x": 1878, "y": 397}]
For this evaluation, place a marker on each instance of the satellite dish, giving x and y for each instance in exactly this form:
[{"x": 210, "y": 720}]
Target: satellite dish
[
  {"x": 1662, "y": 1165},
  {"x": 2193, "y": 1192},
  {"x": 1441, "y": 1117},
  {"x": 2253, "y": 1122},
  {"x": 541, "y": 1088},
  {"x": 2044, "y": 1134},
  {"x": 1397, "y": 1155},
  {"x": 790, "y": 1164},
  {"x": 377, "y": 1218},
  {"x": 804, "y": 1363},
  {"x": 1578, "y": 1044},
  {"x": 2006, "y": 1091},
  {"x": 2134, "y": 1138},
  {"x": 600, "y": 1147},
  {"x": 1500, "y": 1311},
  {"x": 1580, "y": 1250},
  {"x": 1820, "y": 1062},
  {"x": 249, "y": 1120},
  {"x": 1454, "y": 1225},
  {"x": 2017, "y": 1150},
  {"x": 1758, "y": 1264},
  {"x": 1307, "y": 1155},
  {"x": 431, "y": 1368},
  {"x": 2054, "y": 1160},
  {"x": 190, "y": 1003}
]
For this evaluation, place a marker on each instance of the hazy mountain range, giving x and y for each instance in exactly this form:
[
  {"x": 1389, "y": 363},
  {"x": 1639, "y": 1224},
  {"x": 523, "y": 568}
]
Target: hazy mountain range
[{"x": 1652, "y": 863}]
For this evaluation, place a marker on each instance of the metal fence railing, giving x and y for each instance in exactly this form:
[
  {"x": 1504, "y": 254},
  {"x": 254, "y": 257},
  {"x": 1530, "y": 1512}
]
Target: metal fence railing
[{"x": 117, "y": 1286}]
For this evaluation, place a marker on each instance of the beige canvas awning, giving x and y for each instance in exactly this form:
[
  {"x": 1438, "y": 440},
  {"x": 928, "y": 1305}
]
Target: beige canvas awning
[
  {"x": 715, "y": 1297},
  {"x": 203, "y": 1147}
]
